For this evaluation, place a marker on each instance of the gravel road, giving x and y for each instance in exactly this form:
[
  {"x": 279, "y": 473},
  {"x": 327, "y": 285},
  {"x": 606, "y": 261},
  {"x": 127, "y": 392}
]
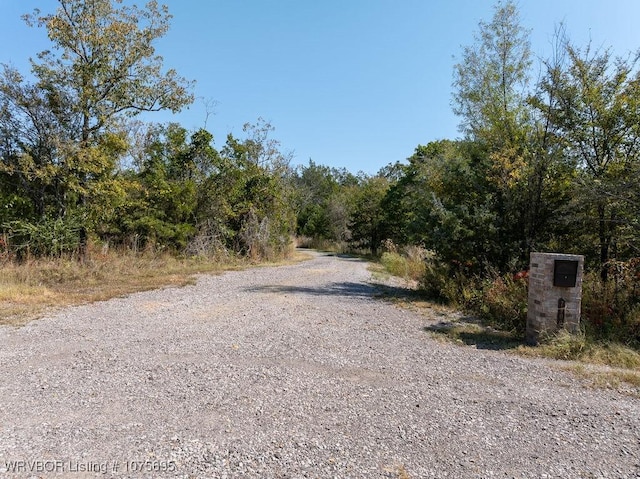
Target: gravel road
[{"x": 287, "y": 372}]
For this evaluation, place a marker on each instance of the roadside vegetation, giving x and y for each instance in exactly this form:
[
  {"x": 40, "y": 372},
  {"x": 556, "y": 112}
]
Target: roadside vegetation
[
  {"x": 494, "y": 317},
  {"x": 31, "y": 288}
]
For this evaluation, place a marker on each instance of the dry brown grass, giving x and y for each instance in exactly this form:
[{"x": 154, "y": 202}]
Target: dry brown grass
[
  {"x": 398, "y": 470},
  {"x": 578, "y": 347},
  {"x": 625, "y": 381},
  {"x": 30, "y": 289},
  {"x": 601, "y": 365}
]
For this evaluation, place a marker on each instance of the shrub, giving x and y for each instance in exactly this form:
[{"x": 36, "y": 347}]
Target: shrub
[
  {"x": 210, "y": 241},
  {"x": 52, "y": 237},
  {"x": 408, "y": 263},
  {"x": 504, "y": 303},
  {"x": 611, "y": 309},
  {"x": 441, "y": 282},
  {"x": 500, "y": 300},
  {"x": 395, "y": 264},
  {"x": 321, "y": 244},
  {"x": 416, "y": 257}
]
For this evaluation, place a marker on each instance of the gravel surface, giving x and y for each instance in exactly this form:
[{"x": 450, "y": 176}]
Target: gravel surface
[{"x": 287, "y": 372}]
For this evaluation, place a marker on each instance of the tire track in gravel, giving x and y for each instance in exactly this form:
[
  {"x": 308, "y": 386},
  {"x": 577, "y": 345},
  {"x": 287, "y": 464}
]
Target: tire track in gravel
[{"x": 291, "y": 371}]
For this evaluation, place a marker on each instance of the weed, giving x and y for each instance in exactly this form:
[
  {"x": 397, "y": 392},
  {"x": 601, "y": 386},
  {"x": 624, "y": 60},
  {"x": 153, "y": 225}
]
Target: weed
[
  {"x": 403, "y": 266},
  {"x": 409, "y": 263},
  {"x": 580, "y": 347}
]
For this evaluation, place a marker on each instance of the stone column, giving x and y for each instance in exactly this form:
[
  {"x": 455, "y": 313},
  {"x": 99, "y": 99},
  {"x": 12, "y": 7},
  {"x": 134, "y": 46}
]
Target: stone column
[{"x": 555, "y": 294}]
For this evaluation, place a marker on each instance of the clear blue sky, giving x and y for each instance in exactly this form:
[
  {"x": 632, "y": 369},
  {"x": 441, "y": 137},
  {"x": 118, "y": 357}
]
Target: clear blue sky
[{"x": 348, "y": 83}]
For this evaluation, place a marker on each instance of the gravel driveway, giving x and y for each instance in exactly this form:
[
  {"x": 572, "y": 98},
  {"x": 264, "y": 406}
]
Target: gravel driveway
[{"x": 292, "y": 371}]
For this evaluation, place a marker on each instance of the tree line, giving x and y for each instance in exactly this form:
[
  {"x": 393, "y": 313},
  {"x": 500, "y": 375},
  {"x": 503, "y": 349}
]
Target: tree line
[
  {"x": 76, "y": 165},
  {"x": 549, "y": 160},
  {"x": 546, "y": 163}
]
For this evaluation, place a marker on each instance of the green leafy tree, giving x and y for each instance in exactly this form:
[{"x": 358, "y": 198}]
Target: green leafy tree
[
  {"x": 513, "y": 148},
  {"x": 250, "y": 200},
  {"x": 595, "y": 117},
  {"x": 491, "y": 79},
  {"x": 34, "y": 138},
  {"x": 367, "y": 215},
  {"x": 105, "y": 62},
  {"x": 324, "y": 201},
  {"x": 101, "y": 70},
  {"x": 166, "y": 196},
  {"x": 315, "y": 186},
  {"x": 443, "y": 201}
]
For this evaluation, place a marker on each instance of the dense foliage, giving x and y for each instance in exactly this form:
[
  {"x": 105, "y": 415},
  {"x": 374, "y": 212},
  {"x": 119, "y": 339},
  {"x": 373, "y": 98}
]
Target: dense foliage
[{"x": 75, "y": 167}]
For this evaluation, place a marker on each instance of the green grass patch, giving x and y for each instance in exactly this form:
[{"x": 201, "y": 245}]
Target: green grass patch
[
  {"x": 562, "y": 346},
  {"x": 408, "y": 264}
]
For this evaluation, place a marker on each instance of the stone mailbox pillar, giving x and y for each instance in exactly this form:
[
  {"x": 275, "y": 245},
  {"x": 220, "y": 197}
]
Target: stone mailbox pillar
[{"x": 555, "y": 294}]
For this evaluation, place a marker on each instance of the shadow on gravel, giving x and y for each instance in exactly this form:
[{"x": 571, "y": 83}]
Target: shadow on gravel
[
  {"x": 347, "y": 257},
  {"x": 472, "y": 332},
  {"x": 332, "y": 289},
  {"x": 466, "y": 330},
  {"x": 398, "y": 293},
  {"x": 347, "y": 289},
  {"x": 333, "y": 254}
]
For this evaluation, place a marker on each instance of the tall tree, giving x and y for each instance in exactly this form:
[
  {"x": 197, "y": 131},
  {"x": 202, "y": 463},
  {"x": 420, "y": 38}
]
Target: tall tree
[
  {"x": 252, "y": 188},
  {"x": 105, "y": 62},
  {"x": 444, "y": 202},
  {"x": 367, "y": 216},
  {"x": 491, "y": 79},
  {"x": 490, "y": 93},
  {"x": 548, "y": 174},
  {"x": 596, "y": 119},
  {"x": 168, "y": 189},
  {"x": 101, "y": 70},
  {"x": 315, "y": 187}
]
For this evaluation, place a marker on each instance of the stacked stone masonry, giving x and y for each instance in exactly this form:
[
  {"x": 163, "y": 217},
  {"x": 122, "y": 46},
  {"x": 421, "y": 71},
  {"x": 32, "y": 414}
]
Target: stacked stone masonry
[{"x": 553, "y": 307}]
